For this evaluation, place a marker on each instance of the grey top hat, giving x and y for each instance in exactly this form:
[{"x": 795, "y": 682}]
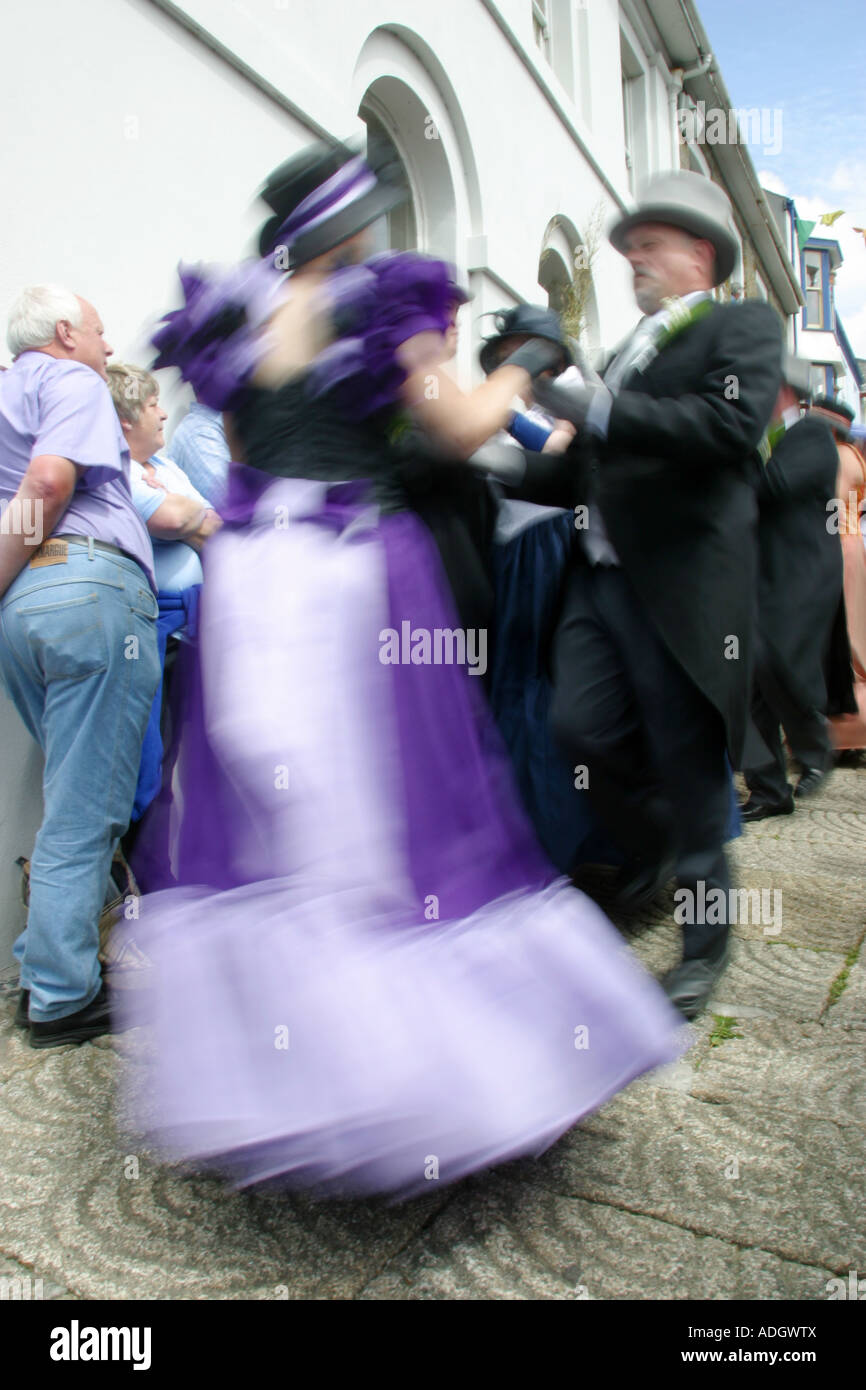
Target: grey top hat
[{"x": 684, "y": 199}]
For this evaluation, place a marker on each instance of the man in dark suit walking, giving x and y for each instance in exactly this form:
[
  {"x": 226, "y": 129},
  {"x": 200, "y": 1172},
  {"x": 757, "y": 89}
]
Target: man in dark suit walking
[
  {"x": 802, "y": 637},
  {"x": 652, "y": 658}
]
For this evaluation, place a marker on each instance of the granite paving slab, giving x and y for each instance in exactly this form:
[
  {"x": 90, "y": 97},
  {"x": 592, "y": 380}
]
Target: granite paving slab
[
  {"x": 20, "y": 1284},
  {"x": 822, "y": 912},
  {"x": 778, "y": 980},
  {"x": 801, "y": 1068},
  {"x": 89, "y": 1212},
  {"x": 508, "y": 1240},
  {"x": 788, "y": 1183},
  {"x": 849, "y": 1010}
]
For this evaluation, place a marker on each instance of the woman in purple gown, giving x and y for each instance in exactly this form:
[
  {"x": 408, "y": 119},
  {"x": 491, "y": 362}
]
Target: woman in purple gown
[{"x": 370, "y": 977}]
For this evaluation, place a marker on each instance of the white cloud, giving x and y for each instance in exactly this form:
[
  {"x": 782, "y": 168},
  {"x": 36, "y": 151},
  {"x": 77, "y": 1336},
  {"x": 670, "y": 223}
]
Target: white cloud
[
  {"x": 849, "y": 178},
  {"x": 772, "y": 181}
]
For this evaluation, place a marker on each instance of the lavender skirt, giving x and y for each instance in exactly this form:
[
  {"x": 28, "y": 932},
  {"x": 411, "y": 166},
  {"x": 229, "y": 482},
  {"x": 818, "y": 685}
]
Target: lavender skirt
[{"x": 370, "y": 978}]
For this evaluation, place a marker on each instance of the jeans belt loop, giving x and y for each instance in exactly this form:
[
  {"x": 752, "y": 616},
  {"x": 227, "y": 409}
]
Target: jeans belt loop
[{"x": 90, "y": 547}]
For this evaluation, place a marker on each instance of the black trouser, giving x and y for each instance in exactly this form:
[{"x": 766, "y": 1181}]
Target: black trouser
[
  {"x": 776, "y": 702},
  {"x": 652, "y": 743},
  {"x": 805, "y": 730}
]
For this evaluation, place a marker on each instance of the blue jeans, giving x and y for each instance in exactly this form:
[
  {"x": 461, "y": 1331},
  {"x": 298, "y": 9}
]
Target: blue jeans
[{"x": 79, "y": 659}]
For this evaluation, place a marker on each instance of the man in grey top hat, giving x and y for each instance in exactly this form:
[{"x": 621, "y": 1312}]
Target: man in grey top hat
[{"x": 652, "y": 656}]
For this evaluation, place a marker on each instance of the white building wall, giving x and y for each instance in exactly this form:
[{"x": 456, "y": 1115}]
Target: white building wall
[
  {"x": 142, "y": 147},
  {"x": 131, "y": 145}
]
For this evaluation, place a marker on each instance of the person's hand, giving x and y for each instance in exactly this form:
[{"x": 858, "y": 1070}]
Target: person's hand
[
  {"x": 149, "y": 475},
  {"x": 560, "y": 437},
  {"x": 535, "y": 356}
]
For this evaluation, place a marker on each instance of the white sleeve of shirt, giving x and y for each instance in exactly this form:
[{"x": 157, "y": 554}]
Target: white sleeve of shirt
[
  {"x": 145, "y": 499},
  {"x": 173, "y": 479}
]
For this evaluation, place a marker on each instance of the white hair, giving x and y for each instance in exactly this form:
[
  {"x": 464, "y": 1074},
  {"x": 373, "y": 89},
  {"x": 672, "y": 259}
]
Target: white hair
[{"x": 34, "y": 316}]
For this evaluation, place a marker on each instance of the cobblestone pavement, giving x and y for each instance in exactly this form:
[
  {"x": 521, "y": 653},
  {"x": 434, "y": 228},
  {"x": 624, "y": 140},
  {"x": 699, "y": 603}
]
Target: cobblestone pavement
[{"x": 737, "y": 1173}]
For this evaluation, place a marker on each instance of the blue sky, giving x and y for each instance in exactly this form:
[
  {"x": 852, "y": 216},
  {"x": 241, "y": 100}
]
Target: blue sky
[{"x": 807, "y": 61}]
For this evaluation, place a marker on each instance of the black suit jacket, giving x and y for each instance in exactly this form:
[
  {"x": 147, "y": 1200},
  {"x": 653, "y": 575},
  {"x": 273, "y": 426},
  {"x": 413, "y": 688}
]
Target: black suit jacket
[
  {"x": 801, "y": 605},
  {"x": 675, "y": 482}
]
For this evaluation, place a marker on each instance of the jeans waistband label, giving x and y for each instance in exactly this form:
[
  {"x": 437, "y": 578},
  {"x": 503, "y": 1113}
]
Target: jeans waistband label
[{"x": 50, "y": 553}]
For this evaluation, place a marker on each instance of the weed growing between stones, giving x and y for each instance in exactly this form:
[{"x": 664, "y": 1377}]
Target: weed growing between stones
[
  {"x": 723, "y": 1029},
  {"x": 841, "y": 980}
]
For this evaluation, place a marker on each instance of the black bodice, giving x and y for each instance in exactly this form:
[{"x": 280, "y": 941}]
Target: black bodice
[{"x": 291, "y": 434}]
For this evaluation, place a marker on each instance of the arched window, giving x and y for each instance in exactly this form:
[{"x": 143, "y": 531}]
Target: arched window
[
  {"x": 554, "y": 279},
  {"x": 398, "y": 230},
  {"x": 565, "y": 273},
  {"x": 400, "y": 82}
]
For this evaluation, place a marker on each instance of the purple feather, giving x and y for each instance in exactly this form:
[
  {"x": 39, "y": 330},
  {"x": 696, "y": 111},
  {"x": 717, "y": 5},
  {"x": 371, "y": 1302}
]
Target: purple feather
[
  {"x": 216, "y": 342},
  {"x": 214, "y": 339}
]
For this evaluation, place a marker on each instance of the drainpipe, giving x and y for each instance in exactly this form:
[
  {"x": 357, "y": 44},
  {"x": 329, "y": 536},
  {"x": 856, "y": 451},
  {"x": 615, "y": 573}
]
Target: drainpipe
[
  {"x": 675, "y": 87},
  {"x": 703, "y": 67},
  {"x": 795, "y": 258}
]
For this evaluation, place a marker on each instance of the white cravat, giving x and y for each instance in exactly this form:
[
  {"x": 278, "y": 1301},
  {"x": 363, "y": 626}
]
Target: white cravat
[
  {"x": 637, "y": 351},
  {"x": 629, "y": 356},
  {"x": 640, "y": 348}
]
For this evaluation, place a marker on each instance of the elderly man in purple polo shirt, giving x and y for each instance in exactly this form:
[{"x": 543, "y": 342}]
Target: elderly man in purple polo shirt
[{"x": 78, "y": 651}]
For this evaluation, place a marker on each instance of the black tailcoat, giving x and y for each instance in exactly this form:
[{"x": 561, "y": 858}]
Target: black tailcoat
[
  {"x": 800, "y": 590},
  {"x": 675, "y": 482}
]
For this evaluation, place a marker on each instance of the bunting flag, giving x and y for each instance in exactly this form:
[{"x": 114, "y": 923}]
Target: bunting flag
[
  {"x": 804, "y": 231},
  {"x": 862, "y": 231},
  {"x": 828, "y": 218}
]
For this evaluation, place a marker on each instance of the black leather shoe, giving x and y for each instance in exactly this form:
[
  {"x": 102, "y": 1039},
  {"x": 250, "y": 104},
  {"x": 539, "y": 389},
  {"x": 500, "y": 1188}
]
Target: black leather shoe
[
  {"x": 90, "y": 1022},
  {"x": 760, "y": 810},
  {"x": 638, "y": 882},
  {"x": 690, "y": 984},
  {"x": 22, "y": 1016},
  {"x": 812, "y": 779}
]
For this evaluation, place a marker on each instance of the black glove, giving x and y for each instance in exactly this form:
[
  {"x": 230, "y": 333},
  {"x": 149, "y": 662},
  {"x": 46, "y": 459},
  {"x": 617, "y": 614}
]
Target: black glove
[
  {"x": 566, "y": 402},
  {"x": 535, "y": 356}
]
